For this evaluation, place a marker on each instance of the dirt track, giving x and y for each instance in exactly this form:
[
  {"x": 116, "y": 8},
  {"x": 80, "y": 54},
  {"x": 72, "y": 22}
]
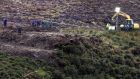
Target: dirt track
[{"x": 24, "y": 51}]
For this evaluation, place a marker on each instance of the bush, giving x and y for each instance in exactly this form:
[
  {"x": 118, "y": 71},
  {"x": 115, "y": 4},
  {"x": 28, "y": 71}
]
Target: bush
[
  {"x": 71, "y": 70},
  {"x": 58, "y": 75},
  {"x": 74, "y": 49}
]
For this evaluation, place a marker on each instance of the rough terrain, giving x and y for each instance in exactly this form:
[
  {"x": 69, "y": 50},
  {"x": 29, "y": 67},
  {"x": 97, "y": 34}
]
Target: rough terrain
[
  {"x": 80, "y": 51},
  {"x": 92, "y": 13}
]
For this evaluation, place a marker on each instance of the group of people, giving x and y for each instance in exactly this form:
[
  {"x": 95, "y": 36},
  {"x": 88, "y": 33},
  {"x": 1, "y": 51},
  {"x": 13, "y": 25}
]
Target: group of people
[
  {"x": 33, "y": 23},
  {"x": 41, "y": 23}
]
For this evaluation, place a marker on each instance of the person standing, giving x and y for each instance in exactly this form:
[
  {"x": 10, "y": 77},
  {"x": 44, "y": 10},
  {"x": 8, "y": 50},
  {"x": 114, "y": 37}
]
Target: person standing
[
  {"x": 5, "y": 22},
  {"x": 18, "y": 27},
  {"x": 34, "y": 23}
]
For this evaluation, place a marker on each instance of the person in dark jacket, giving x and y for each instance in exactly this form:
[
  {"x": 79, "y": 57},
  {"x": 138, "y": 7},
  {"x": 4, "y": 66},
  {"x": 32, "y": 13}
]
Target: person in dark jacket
[
  {"x": 35, "y": 23},
  {"x": 19, "y": 29},
  {"x": 5, "y": 22}
]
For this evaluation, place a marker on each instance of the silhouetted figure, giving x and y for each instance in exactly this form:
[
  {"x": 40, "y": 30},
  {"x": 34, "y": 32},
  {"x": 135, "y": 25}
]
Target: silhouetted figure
[
  {"x": 18, "y": 26},
  {"x": 19, "y": 29},
  {"x": 33, "y": 23},
  {"x": 5, "y": 22},
  {"x": 109, "y": 20}
]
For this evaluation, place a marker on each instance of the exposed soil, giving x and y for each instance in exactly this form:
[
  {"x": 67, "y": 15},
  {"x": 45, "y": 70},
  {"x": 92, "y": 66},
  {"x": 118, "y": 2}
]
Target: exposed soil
[{"x": 30, "y": 44}]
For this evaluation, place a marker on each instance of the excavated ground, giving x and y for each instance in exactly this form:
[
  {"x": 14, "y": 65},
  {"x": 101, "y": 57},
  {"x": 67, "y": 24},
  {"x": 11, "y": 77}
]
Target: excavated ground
[
  {"x": 30, "y": 44},
  {"x": 34, "y": 44}
]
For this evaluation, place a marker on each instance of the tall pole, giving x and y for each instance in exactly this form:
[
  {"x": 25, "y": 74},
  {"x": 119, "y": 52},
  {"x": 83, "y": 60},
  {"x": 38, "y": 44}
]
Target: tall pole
[
  {"x": 117, "y": 10},
  {"x": 117, "y": 23}
]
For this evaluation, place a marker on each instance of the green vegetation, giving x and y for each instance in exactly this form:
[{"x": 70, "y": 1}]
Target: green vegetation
[
  {"x": 91, "y": 54},
  {"x": 12, "y": 67},
  {"x": 107, "y": 55}
]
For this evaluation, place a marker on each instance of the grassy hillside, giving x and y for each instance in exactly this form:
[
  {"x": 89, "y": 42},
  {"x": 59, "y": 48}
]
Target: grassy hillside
[
  {"x": 90, "y": 54},
  {"x": 12, "y": 67}
]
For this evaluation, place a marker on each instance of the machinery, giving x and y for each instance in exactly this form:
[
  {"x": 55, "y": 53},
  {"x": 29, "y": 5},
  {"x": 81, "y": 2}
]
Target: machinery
[{"x": 127, "y": 25}]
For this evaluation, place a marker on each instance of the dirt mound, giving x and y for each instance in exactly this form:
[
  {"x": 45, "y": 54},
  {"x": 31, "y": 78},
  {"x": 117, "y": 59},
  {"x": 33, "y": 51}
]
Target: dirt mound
[
  {"x": 39, "y": 44},
  {"x": 30, "y": 44}
]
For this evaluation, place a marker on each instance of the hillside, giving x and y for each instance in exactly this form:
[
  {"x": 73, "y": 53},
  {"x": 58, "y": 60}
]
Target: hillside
[
  {"x": 76, "y": 47},
  {"x": 84, "y": 54},
  {"x": 93, "y": 13}
]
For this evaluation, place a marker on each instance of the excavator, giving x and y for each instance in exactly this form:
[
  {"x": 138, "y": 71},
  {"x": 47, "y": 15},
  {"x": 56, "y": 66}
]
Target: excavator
[{"x": 127, "y": 25}]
